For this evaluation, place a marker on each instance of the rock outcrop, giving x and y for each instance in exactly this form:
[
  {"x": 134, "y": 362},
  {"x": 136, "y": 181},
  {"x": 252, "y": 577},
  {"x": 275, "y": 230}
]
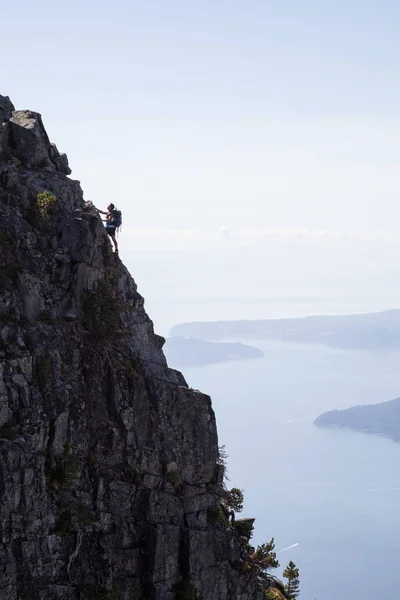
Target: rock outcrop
[
  {"x": 109, "y": 464},
  {"x": 6, "y": 108}
]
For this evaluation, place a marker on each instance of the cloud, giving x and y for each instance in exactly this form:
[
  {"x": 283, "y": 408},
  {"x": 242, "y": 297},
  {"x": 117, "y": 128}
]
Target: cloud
[
  {"x": 226, "y": 237},
  {"x": 225, "y": 232}
]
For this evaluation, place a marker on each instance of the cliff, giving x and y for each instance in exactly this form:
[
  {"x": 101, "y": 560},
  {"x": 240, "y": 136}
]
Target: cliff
[{"x": 109, "y": 464}]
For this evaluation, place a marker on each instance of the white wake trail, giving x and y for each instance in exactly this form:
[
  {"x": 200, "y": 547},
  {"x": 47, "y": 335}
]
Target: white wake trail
[
  {"x": 383, "y": 490},
  {"x": 301, "y": 419},
  {"x": 288, "y": 548}
]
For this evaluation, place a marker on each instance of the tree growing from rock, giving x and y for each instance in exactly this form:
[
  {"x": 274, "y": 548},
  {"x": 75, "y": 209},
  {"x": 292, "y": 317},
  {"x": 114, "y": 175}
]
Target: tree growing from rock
[
  {"x": 291, "y": 573},
  {"x": 235, "y": 499},
  {"x": 265, "y": 557}
]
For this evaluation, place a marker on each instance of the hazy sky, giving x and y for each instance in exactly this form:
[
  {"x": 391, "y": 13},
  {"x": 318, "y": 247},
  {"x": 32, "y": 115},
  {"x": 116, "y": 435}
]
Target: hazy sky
[{"x": 221, "y": 124}]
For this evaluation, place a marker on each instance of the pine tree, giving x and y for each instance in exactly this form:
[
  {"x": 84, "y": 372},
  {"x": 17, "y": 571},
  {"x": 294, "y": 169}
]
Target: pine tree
[
  {"x": 265, "y": 557},
  {"x": 235, "y": 499},
  {"x": 291, "y": 573}
]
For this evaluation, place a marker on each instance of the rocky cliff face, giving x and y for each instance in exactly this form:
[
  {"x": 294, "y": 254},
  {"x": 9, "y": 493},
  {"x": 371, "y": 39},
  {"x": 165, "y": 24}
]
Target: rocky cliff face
[{"x": 108, "y": 461}]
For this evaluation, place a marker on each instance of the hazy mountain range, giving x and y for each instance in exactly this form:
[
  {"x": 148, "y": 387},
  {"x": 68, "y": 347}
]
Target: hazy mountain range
[
  {"x": 191, "y": 352},
  {"x": 373, "y": 330},
  {"x": 381, "y": 419}
]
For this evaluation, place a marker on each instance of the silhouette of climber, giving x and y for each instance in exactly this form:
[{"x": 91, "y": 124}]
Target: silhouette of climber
[
  {"x": 229, "y": 514},
  {"x": 110, "y": 223}
]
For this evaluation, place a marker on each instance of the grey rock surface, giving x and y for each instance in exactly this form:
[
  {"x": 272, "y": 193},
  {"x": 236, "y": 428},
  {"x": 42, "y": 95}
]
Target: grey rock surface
[
  {"x": 6, "y": 108},
  {"x": 108, "y": 460},
  {"x": 24, "y": 138}
]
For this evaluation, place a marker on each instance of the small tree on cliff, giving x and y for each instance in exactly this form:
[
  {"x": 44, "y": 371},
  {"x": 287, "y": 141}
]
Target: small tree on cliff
[
  {"x": 44, "y": 202},
  {"x": 265, "y": 557},
  {"x": 234, "y": 499},
  {"x": 291, "y": 573},
  {"x": 223, "y": 462}
]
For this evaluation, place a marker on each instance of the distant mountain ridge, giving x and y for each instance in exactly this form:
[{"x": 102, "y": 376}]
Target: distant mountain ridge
[
  {"x": 371, "y": 330},
  {"x": 379, "y": 419},
  {"x": 190, "y": 352}
]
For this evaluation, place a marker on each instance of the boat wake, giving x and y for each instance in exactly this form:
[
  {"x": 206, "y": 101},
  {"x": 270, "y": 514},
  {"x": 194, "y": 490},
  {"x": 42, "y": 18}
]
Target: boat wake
[
  {"x": 288, "y": 548},
  {"x": 383, "y": 490},
  {"x": 301, "y": 419}
]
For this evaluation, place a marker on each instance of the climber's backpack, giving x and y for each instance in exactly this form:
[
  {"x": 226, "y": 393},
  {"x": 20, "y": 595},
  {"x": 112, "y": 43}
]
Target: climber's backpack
[{"x": 117, "y": 214}]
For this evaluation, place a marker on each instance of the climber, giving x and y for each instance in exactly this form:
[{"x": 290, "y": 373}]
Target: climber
[
  {"x": 111, "y": 223},
  {"x": 229, "y": 514}
]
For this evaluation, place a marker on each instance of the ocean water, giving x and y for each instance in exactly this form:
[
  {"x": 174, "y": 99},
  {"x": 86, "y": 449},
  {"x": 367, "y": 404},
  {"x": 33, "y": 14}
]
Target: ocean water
[{"x": 330, "y": 498}]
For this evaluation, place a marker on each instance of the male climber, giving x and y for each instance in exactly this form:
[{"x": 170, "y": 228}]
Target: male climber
[{"x": 111, "y": 223}]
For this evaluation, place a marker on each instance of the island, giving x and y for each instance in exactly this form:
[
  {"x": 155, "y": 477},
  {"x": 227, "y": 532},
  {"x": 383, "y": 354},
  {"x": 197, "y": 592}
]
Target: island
[
  {"x": 191, "y": 352},
  {"x": 380, "y": 330},
  {"x": 379, "y": 419}
]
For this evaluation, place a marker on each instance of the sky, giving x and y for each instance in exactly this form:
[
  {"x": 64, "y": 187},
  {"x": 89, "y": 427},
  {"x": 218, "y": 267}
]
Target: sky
[{"x": 245, "y": 142}]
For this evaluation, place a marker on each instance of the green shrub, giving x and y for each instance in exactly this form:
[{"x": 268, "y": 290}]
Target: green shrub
[
  {"x": 223, "y": 462},
  {"x": 174, "y": 478},
  {"x": 74, "y": 516},
  {"x": 12, "y": 271},
  {"x": 44, "y": 203},
  {"x": 270, "y": 595},
  {"x": 265, "y": 557},
  {"x": 292, "y": 588},
  {"x": 95, "y": 591},
  {"x": 215, "y": 516},
  {"x": 42, "y": 372},
  {"x": 8, "y": 431},
  {"x": 234, "y": 499},
  {"x": 70, "y": 469},
  {"x": 241, "y": 567},
  {"x": 46, "y": 317},
  {"x": 186, "y": 590},
  {"x": 279, "y": 586},
  {"x": 244, "y": 528},
  {"x": 62, "y": 474},
  {"x": 93, "y": 458},
  {"x": 39, "y": 212},
  {"x": 132, "y": 366},
  {"x": 5, "y": 240},
  {"x": 101, "y": 310},
  {"x": 129, "y": 473}
]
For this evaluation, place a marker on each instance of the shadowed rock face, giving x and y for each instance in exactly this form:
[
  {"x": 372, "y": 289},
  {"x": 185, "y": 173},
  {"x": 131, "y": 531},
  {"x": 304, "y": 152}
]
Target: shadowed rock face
[
  {"x": 23, "y": 137},
  {"x": 108, "y": 461},
  {"x": 6, "y": 108}
]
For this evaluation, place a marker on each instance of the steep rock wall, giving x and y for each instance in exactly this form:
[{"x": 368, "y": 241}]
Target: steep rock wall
[{"x": 108, "y": 461}]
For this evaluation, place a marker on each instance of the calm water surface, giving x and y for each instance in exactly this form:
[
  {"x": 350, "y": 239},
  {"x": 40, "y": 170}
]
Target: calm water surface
[{"x": 330, "y": 498}]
